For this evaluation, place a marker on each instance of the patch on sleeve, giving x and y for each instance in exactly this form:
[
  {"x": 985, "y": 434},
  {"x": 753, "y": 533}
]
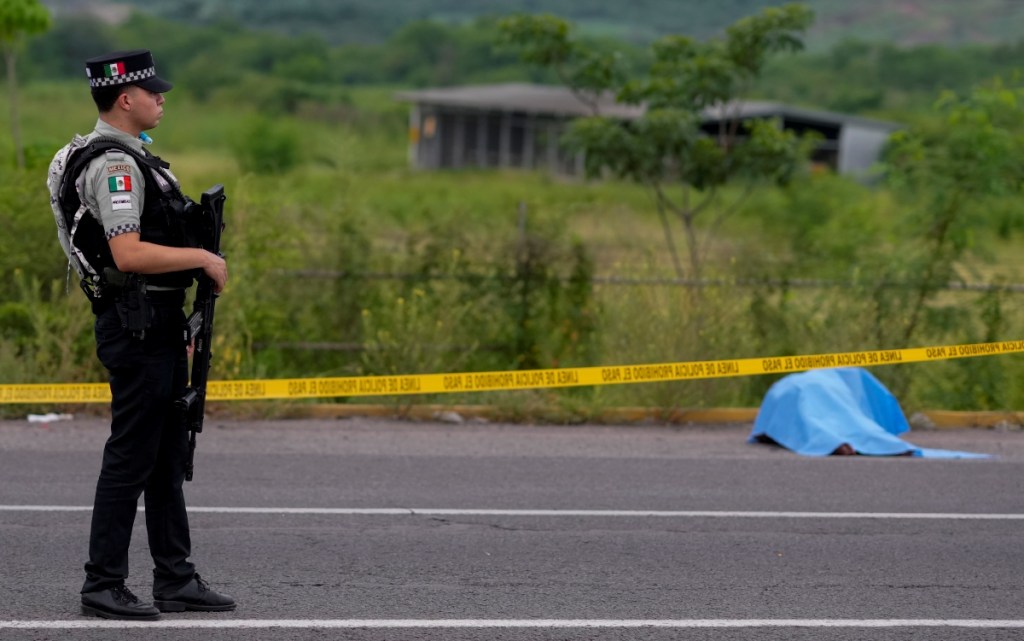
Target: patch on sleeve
[
  {"x": 119, "y": 183},
  {"x": 119, "y": 168},
  {"x": 118, "y": 203}
]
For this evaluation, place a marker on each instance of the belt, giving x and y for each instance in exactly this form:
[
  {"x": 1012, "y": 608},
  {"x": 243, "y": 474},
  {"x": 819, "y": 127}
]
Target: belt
[{"x": 165, "y": 295}]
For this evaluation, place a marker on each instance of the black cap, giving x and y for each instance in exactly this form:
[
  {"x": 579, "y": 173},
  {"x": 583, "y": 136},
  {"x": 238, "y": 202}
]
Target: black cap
[{"x": 125, "y": 68}]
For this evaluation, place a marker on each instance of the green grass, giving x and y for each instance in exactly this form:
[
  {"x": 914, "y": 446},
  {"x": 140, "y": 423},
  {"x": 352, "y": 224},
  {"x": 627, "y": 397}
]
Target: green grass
[{"x": 353, "y": 204}]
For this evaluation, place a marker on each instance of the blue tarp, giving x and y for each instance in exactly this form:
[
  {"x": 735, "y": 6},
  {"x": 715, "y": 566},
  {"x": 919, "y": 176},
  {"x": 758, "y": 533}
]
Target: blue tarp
[{"x": 816, "y": 412}]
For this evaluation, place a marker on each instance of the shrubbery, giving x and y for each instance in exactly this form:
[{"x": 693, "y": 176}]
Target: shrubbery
[
  {"x": 359, "y": 266},
  {"x": 265, "y": 146}
]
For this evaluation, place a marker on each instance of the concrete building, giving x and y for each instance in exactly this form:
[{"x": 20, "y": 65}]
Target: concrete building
[{"x": 519, "y": 126}]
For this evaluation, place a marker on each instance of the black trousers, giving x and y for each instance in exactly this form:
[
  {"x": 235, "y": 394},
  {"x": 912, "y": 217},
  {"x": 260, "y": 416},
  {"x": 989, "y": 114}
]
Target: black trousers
[{"x": 147, "y": 450}]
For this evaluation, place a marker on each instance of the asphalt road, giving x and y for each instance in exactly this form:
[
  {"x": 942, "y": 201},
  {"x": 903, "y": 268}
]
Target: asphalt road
[{"x": 689, "y": 528}]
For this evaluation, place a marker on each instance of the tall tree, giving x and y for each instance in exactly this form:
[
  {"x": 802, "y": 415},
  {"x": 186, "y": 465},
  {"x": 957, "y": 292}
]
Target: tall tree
[
  {"x": 667, "y": 149},
  {"x": 952, "y": 176},
  {"x": 17, "y": 19}
]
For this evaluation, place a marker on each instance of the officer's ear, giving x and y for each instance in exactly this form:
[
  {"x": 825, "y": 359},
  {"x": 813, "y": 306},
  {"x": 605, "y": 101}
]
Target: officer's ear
[{"x": 125, "y": 98}]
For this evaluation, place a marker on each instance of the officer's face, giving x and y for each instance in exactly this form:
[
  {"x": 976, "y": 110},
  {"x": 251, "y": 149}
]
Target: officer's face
[{"x": 144, "y": 106}]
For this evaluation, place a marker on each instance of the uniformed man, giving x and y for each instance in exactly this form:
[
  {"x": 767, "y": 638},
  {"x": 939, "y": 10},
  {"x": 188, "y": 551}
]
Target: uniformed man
[{"x": 139, "y": 339}]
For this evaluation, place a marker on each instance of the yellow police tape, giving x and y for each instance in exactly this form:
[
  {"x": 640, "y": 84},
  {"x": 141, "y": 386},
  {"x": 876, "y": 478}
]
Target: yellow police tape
[{"x": 292, "y": 388}]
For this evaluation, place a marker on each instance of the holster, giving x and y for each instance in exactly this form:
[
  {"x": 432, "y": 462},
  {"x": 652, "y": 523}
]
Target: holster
[{"x": 130, "y": 300}]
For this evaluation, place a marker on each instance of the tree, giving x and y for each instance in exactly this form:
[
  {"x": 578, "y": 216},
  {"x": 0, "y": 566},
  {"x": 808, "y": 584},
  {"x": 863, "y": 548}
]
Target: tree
[
  {"x": 17, "y": 18},
  {"x": 667, "y": 150},
  {"x": 953, "y": 177}
]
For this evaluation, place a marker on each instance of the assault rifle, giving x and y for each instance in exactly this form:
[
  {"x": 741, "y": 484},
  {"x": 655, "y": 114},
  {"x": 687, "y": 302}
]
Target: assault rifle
[{"x": 199, "y": 327}]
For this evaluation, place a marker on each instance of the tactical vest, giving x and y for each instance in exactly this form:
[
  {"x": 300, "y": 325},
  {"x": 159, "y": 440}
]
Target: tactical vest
[{"x": 167, "y": 216}]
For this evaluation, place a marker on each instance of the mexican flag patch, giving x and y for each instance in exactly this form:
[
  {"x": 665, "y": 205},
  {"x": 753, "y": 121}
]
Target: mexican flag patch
[
  {"x": 114, "y": 69},
  {"x": 120, "y": 183}
]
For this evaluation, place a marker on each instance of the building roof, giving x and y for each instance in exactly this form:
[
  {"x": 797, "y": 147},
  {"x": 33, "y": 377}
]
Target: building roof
[
  {"x": 522, "y": 97},
  {"x": 762, "y": 109},
  {"x": 561, "y": 101}
]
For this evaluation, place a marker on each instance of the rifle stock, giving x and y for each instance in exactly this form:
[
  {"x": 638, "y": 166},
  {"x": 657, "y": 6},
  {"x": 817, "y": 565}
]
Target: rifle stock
[{"x": 199, "y": 327}]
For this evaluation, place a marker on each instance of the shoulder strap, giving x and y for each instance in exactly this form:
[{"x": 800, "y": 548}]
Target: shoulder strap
[{"x": 80, "y": 159}]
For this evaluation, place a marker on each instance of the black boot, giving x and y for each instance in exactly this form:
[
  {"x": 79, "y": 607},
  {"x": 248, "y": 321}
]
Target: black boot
[
  {"x": 118, "y": 602},
  {"x": 196, "y": 596}
]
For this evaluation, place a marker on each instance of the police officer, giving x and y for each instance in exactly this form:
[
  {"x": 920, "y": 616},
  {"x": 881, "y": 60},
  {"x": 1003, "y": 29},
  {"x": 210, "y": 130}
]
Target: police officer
[{"x": 146, "y": 453}]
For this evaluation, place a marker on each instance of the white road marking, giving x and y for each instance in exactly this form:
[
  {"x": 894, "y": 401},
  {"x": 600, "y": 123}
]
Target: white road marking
[
  {"x": 729, "y": 514},
  {"x": 87, "y": 624}
]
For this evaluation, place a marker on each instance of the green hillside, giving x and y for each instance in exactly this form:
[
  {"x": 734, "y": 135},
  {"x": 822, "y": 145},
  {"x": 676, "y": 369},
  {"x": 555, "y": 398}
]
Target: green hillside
[
  {"x": 908, "y": 22},
  {"x": 281, "y": 72}
]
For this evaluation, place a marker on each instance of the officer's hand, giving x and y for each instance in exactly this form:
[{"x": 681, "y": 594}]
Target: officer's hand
[{"x": 217, "y": 269}]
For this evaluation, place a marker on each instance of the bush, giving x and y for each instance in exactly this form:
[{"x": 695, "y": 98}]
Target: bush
[{"x": 265, "y": 146}]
